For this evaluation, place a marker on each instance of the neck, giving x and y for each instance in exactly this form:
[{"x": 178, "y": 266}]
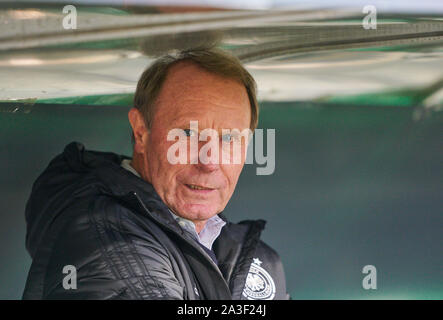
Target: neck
[
  {"x": 137, "y": 164},
  {"x": 199, "y": 225}
]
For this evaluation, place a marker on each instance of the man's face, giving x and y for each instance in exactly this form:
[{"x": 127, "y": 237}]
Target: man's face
[{"x": 195, "y": 191}]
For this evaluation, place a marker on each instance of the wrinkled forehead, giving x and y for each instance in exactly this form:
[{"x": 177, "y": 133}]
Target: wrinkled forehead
[
  {"x": 192, "y": 93},
  {"x": 186, "y": 78}
]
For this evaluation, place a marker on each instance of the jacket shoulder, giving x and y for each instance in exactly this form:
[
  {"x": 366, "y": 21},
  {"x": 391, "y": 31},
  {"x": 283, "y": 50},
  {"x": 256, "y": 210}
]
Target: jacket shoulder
[{"x": 113, "y": 251}]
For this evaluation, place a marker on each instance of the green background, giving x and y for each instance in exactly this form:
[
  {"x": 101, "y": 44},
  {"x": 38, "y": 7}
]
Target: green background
[{"x": 354, "y": 185}]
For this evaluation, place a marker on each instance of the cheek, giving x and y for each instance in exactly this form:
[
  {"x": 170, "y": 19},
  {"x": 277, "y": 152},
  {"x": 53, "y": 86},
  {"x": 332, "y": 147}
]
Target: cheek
[
  {"x": 160, "y": 169},
  {"x": 158, "y": 147},
  {"x": 232, "y": 173}
]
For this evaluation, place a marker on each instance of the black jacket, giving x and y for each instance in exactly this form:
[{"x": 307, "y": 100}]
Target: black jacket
[{"x": 86, "y": 211}]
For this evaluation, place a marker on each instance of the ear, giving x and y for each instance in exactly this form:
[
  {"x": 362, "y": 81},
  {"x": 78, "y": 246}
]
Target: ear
[{"x": 139, "y": 130}]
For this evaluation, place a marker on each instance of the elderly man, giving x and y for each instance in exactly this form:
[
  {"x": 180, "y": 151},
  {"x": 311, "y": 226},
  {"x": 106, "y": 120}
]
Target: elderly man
[{"x": 105, "y": 226}]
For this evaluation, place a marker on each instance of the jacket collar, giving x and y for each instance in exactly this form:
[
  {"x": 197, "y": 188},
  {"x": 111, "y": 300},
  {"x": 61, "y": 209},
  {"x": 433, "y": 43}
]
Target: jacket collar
[{"x": 114, "y": 180}]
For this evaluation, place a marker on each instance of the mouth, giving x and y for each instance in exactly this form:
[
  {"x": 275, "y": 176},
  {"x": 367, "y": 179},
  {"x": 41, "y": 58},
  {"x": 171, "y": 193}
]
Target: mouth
[{"x": 198, "y": 188}]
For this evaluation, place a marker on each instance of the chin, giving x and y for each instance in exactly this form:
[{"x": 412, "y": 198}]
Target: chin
[{"x": 199, "y": 211}]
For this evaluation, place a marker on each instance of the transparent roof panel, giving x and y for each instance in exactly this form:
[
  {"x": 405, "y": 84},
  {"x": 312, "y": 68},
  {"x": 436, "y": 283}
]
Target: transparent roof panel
[{"x": 320, "y": 54}]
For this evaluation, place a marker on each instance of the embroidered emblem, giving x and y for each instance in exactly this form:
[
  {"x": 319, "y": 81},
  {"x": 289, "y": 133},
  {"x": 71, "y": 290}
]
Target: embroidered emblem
[{"x": 259, "y": 284}]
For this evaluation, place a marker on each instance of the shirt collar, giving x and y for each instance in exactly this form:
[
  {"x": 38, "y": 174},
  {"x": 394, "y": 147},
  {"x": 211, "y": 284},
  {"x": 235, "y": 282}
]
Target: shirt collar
[
  {"x": 207, "y": 235},
  {"x": 126, "y": 163}
]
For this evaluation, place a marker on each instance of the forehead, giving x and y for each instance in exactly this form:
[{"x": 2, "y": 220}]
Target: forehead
[{"x": 192, "y": 93}]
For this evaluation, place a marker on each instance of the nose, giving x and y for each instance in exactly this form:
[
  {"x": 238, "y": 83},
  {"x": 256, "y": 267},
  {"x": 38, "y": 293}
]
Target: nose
[
  {"x": 208, "y": 160},
  {"x": 210, "y": 167}
]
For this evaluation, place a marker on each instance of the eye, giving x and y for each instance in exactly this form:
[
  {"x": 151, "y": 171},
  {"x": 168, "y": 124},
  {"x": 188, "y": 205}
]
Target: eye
[
  {"x": 189, "y": 133},
  {"x": 227, "y": 138}
]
